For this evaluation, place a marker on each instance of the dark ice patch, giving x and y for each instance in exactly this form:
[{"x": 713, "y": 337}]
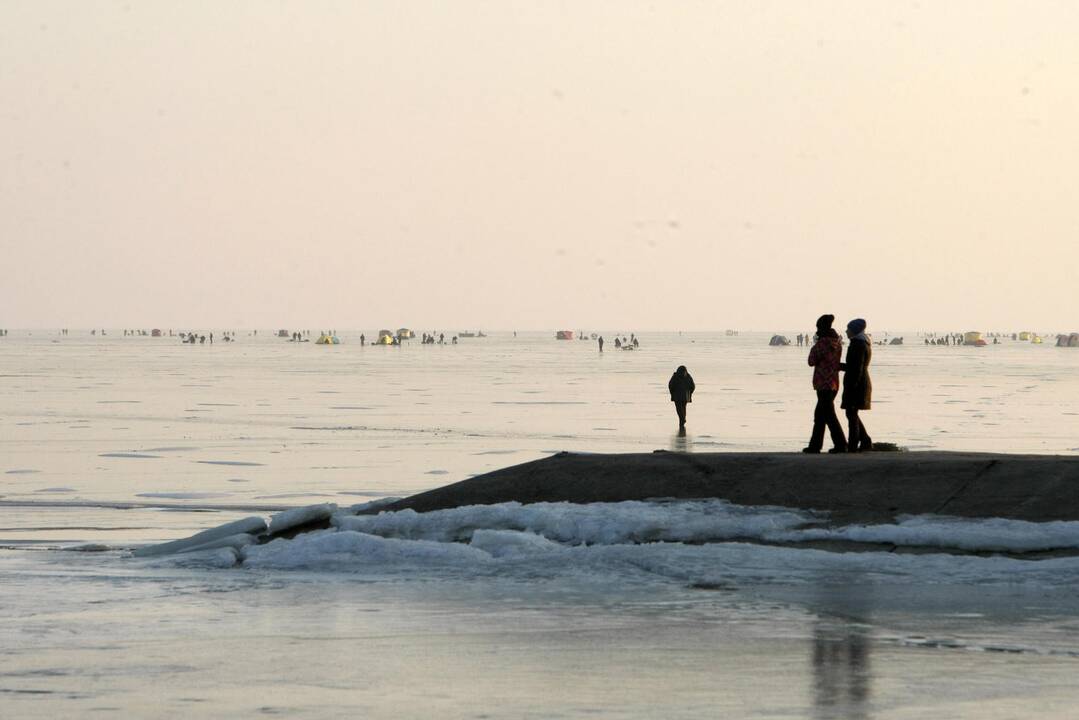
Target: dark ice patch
[
  {"x": 183, "y": 495},
  {"x": 366, "y": 493},
  {"x": 127, "y": 455},
  {"x": 290, "y": 495},
  {"x": 240, "y": 463},
  {"x": 539, "y": 402}
]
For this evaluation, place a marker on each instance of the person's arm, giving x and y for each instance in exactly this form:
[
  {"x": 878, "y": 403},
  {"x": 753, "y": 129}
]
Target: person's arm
[
  {"x": 814, "y": 356},
  {"x": 855, "y": 365},
  {"x": 690, "y": 385}
]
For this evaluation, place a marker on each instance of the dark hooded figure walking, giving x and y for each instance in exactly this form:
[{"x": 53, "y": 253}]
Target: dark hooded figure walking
[
  {"x": 681, "y": 386},
  {"x": 857, "y": 387},
  {"x": 825, "y": 358}
]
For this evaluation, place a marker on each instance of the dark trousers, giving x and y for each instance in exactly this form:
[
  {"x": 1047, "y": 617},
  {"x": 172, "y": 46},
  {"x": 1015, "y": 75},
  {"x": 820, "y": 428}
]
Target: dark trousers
[
  {"x": 824, "y": 415},
  {"x": 857, "y": 437},
  {"x": 680, "y": 408}
]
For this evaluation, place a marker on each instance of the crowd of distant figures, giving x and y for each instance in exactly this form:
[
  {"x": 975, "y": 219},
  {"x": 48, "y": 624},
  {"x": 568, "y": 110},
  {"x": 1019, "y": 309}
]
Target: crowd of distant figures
[
  {"x": 193, "y": 338},
  {"x": 623, "y": 343},
  {"x": 429, "y": 339},
  {"x": 948, "y": 339}
]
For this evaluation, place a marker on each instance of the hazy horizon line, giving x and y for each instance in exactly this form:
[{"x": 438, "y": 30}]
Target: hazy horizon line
[{"x": 486, "y": 330}]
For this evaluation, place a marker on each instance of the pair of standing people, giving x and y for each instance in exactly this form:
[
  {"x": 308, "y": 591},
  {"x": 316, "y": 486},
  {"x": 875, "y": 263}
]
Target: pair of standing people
[{"x": 825, "y": 358}]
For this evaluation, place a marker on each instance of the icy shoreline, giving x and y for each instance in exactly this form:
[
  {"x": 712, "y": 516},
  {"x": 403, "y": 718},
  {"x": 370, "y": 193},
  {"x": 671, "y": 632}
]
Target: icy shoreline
[
  {"x": 868, "y": 487},
  {"x": 1018, "y": 506}
]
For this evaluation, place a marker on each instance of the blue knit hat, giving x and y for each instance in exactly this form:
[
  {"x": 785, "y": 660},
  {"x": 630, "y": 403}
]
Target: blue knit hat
[{"x": 856, "y": 326}]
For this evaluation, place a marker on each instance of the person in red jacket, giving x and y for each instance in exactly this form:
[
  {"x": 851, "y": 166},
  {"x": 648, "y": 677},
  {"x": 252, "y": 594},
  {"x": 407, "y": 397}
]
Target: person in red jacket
[{"x": 825, "y": 358}]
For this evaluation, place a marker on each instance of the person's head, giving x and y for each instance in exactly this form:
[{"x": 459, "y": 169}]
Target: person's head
[
  {"x": 681, "y": 370},
  {"x": 824, "y": 322},
  {"x": 855, "y": 327}
]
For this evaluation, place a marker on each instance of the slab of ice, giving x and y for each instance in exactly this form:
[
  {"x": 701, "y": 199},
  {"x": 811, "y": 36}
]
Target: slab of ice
[
  {"x": 981, "y": 534},
  {"x": 512, "y": 544},
  {"x": 216, "y": 558},
  {"x": 250, "y": 525},
  {"x": 526, "y": 556},
  {"x": 346, "y": 549},
  {"x": 295, "y": 517},
  {"x": 372, "y": 505},
  {"x": 595, "y": 523},
  {"x": 708, "y": 521},
  {"x": 236, "y": 541}
]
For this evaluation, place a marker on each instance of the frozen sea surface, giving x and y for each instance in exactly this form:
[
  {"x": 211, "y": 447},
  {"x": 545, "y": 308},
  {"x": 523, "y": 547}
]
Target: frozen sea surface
[
  {"x": 263, "y": 420},
  {"x": 626, "y": 610}
]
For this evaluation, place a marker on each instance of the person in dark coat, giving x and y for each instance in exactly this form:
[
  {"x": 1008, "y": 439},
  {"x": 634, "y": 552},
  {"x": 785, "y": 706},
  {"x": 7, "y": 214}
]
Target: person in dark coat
[
  {"x": 857, "y": 387},
  {"x": 681, "y": 387},
  {"x": 825, "y": 358}
]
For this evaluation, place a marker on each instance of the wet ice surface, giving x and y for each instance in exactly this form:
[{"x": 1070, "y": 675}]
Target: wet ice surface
[
  {"x": 427, "y": 635},
  {"x": 627, "y": 610}
]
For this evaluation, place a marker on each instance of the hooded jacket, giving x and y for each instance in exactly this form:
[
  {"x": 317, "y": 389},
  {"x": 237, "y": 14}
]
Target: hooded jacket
[
  {"x": 857, "y": 387},
  {"x": 681, "y": 387},
  {"x": 824, "y": 358}
]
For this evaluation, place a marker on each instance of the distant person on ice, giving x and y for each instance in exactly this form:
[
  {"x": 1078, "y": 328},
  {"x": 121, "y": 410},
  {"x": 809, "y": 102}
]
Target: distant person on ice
[
  {"x": 681, "y": 387},
  {"x": 857, "y": 387},
  {"x": 825, "y": 358}
]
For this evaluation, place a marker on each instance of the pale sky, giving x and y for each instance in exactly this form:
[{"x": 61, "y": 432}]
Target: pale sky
[{"x": 534, "y": 165}]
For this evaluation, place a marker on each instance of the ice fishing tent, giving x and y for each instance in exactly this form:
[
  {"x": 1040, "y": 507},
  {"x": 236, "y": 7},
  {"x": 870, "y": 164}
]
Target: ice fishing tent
[{"x": 779, "y": 341}]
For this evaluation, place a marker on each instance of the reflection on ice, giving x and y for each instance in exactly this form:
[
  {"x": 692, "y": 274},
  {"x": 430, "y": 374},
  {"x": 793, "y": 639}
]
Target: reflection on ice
[{"x": 842, "y": 680}]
